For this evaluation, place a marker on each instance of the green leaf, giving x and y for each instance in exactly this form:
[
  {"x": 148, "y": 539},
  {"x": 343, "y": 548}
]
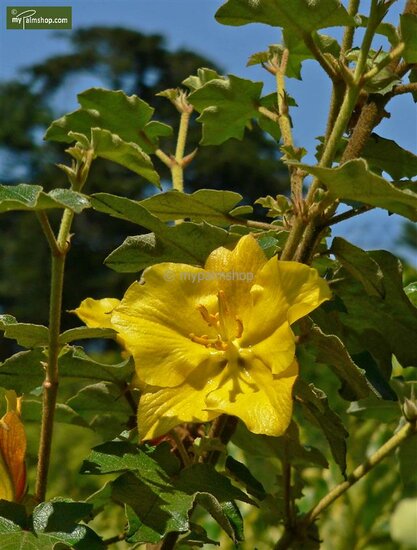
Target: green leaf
[
  {"x": 300, "y": 16},
  {"x": 159, "y": 496},
  {"x": 411, "y": 292},
  {"x": 104, "y": 407},
  {"x": 375, "y": 325},
  {"x": 408, "y": 26},
  {"x": 377, "y": 409},
  {"x": 298, "y": 51},
  {"x": 128, "y": 154},
  {"x": 226, "y": 514},
  {"x": 317, "y": 410},
  {"x": 240, "y": 472},
  {"x": 32, "y": 412},
  {"x": 82, "y": 333},
  {"x": 25, "y": 334},
  {"x": 332, "y": 352},
  {"x": 188, "y": 243},
  {"x": 205, "y": 204},
  {"x": 285, "y": 447},
  {"x": 412, "y": 77},
  {"x": 226, "y": 107},
  {"x": 31, "y": 197},
  {"x": 126, "y": 116},
  {"x": 384, "y": 155},
  {"x": 353, "y": 181},
  {"x": 203, "y": 76},
  {"x": 55, "y": 523},
  {"x": 360, "y": 265},
  {"x": 403, "y": 523},
  {"x": 75, "y": 363},
  {"x": 14, "y": 512},
  {"x": 23, "y": 372}
]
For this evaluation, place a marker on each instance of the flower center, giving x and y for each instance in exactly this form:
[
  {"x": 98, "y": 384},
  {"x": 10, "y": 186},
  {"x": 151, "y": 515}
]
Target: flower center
[{"x": 227, "y": 326}]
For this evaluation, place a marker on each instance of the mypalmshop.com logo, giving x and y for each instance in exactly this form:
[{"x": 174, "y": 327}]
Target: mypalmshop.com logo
[{"x": 39, "y": 17}]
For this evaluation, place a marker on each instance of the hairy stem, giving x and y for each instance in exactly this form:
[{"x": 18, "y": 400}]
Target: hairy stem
[
  {"x": 348, "y": 35},
  {"x": 50, "y": 385},
  {"x": 177, "y": 168}
]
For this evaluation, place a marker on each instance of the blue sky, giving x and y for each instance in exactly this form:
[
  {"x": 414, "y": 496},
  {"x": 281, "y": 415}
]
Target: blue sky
[{"x": 191, "y": 24}]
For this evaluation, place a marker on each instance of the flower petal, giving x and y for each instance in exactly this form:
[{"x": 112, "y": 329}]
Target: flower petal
[
  {"x": 157, "y": 319},
  {"x": 283, "y": 291},
  {"x": 161, "y": 409},
  {"x": 261, "y": 400},
  {"x": 96, "y": 313},
  {"x": 278, "y": 350},
  {"x": 239, "y": 267}
]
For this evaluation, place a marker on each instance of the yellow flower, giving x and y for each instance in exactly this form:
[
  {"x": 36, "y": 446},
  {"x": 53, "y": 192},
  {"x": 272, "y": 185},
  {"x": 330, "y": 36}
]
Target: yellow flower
[
  {"x": 12, "y": 451},
  {"x": 217, "y": 340}
]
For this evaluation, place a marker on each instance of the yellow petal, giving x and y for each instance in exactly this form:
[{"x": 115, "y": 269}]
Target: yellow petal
[
  {"x": 283, "y": 291},
  {"x": 13, "y": 452},
  {"x": 240, "y": 267},
  {"x": 161, "y": 409},
  {"x": 157, "y": 319},
  {"x": 263, "y": 401},
  {"x": 96, "y": 313},
  {"x": 276, "y": 351}
]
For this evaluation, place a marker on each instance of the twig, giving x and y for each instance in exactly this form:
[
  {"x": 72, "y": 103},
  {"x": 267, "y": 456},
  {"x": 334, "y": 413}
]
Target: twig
[{"x": 349, "y": 214}]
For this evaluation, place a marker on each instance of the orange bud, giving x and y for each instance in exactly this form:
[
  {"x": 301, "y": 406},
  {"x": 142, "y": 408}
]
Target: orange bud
[{"x": 12, "y": 451}]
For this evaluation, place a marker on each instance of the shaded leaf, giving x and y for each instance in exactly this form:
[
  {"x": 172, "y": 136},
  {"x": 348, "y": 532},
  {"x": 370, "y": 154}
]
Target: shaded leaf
[
  {"x": 360, "y": 265},
  {"x": 239, "y": 471},
  {"x": 353, "y": 181},
  {"x": 332, "y": 352},
  {"x": 373, "y": 327},
  {"x": 82, "y": 333},
  {"x": 407, "y": 457},
  {"x": 314, "y": 403},
  {"x": 32, "y": 197},
  {"x": 23, "y": 371},
  {"x": 226, "y": 106},
  {"x": 25, "y": 334},
  {"x": 280, "y": 13},
  {"x": 378, "y": 409},
  {"x": 128, "y": 154},
  {"x": 103, "y": 406}
]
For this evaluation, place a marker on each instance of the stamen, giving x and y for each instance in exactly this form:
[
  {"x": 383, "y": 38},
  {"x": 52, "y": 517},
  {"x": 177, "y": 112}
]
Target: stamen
[
  {"x": 239, "y": 327},
  {"x": 210, "y": 319}
]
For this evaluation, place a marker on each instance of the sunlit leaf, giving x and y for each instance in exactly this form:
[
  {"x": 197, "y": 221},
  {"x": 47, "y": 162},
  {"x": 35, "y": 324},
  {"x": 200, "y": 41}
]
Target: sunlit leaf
[
  {"x": 32, "y": 197},
  {"x": 353, "y": 181},
  {"x": 299, "y": 15},
  {"x": 226, "y": 107},
  {"x": 111, "y": 147},
  {"x": 205, "y": 204},
  {"x": 129, "y": 117},
  {"x": 408, "y": 28}
]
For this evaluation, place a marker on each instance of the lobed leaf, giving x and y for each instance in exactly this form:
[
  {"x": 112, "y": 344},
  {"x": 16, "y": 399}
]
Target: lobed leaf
[
  {"x": 203, "y": 205},
  {"x": 300, "y": 16},
  {"x": 128, "y": 154},
  {"x": 187, "y": 243},
  {"x": 353, "y": 181},
  {"x": 120, "y": 114},
  {"x": 226, "y": 107},
  {"x": 316, "y": 408},
  {"x": 408, "y": 27},
  {"x": 27, "y": 335},
  {"x": 32, "y": 198},
  {"x": 159, "y": 496}
]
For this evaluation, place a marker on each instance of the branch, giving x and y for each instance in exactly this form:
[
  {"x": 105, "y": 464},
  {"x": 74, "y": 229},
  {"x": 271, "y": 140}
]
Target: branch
[{"x": 349, "y": 214}]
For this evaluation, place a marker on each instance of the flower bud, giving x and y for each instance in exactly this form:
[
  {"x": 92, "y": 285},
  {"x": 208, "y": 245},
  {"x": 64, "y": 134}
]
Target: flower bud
[
  {"x": 410, "y": 410},
  {"x": 12, "y": 451}
]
